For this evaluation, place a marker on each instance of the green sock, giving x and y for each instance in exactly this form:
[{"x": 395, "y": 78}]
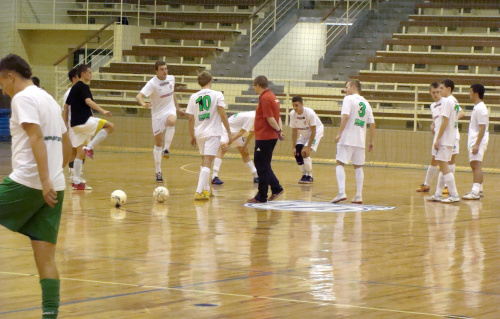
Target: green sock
[{"x": 50, "y": 297}]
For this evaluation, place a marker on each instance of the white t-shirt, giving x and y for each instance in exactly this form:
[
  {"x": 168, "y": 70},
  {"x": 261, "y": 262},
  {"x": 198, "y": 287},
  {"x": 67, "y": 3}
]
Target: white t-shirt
[
  {"x": 479, "y": 116},
  {"x": 436, "y": 109},
  {"x": 241, "y": 121},
  {"x": 449, "y": 109},
  {"x": 360, "y": 113},
  {"x": 161, "y": 95},
  {"x": 203, "y": 105},
  {"x": 304, "y": 121},
  {"x": 34, "y": 105}
]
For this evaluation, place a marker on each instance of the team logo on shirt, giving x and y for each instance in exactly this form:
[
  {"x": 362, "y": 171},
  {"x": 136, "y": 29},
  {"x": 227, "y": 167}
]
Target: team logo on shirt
[
  {"x": 165, "y": 83},
  {"x": 317, "y": 207}
]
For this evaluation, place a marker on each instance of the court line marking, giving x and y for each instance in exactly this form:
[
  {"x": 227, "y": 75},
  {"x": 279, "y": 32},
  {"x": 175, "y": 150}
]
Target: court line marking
[{"x": 180, "y": 288}]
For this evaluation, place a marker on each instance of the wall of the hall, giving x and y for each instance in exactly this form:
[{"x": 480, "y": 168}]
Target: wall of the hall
[{"x": 286, "y": 60}]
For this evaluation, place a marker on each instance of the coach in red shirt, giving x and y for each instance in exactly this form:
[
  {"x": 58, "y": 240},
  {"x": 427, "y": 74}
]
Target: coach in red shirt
[{"x": 267, "y": 128}]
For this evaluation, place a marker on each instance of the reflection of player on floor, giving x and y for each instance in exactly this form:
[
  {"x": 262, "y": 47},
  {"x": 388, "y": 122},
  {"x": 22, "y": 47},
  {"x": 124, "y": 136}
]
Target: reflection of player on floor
[
  {"x": 241, "y": 125},
  {"x": 206, "y": 110},
  {"x": 478, "y": 139},
  {"x": 163, "y": 111},
  {"x": 306, "y": 121},
  {"x": 356, "y": 115},
  {"x": 31, "y": 197},
  {"x": 445, "y": 141},
  {"x": 83, "y": 124}
]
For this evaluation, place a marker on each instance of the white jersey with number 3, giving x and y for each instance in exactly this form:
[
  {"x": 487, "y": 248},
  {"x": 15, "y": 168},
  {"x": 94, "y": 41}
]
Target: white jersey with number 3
[
  {"x": 360, "y": 114},
  {"x": 203, "y": 105}
]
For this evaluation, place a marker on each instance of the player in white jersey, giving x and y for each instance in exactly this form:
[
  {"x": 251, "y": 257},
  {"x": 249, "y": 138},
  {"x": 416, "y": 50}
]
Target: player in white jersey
[
  {"x": 31, "y": 197},
  {"x": 444, "y": 142},
  {"x": 435, "y": 107},
  {"x": 351, "y": 140},
  {"x": 163, "y": 106},
  {"x": 478, "y": 139},
  {"x": 241, "y": 125},
  {"x": 206, "y": 110},
  {"x": 307, "y": 131}
]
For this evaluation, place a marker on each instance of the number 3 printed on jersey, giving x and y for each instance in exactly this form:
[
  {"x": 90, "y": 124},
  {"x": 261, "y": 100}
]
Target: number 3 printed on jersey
[
  {"x": 361, "y": 113},
  {"x": 204, "y": 102}
]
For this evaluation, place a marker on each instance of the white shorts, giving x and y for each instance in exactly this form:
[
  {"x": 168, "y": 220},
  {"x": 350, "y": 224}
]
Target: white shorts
[
  {"x": 209, "y": 145},
  {"x": 304, "y": 141},
  {"x": 443, "y": 154},
  {"x": 236, "y": 143},
  {"x": 346, "y": 153},
  {"x": 456, "y": 147},
  {"x": 479, "y": 155},
  {"x": 80, "y": 134},
  {"x": 159, "y": 124}
]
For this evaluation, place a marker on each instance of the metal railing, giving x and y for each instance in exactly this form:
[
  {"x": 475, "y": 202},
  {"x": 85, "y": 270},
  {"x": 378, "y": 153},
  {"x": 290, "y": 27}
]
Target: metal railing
[
  {"x": 276, "y": 12},
  {"x": 338, "y": 26}
]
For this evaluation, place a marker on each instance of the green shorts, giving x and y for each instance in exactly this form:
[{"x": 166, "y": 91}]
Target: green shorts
[{"x": 24, "y": 210}]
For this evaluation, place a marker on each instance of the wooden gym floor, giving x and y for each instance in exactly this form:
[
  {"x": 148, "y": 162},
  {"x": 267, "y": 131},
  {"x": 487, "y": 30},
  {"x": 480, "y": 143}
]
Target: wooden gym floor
[{"x": 220, "y": 259}]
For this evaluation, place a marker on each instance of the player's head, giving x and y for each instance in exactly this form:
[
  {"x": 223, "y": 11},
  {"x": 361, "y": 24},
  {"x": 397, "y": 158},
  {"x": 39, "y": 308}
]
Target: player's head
[
  {"x": 352, "y": 87},
  {"x": 73, "y": 75},
  {"x": 13, "y": 69},
  {"x": 36, "y": 81},
  {"x": 260, "y": 84},
  {"x": 84, "y": 72},
  {"x": 161, "y": 70},
  {"x": 476, "y": 92},
  {"x": 434, "y": 91},
  {"x": 298, "y": 104},
  {"x": 204, "y": 78},
  {"x": 446, "y": 87}
]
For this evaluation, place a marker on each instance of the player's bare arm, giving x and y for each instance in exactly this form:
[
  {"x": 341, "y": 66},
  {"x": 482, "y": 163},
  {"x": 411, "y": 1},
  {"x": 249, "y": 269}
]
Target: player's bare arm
[
  {"x": 140, "y": 99},
  {"x": 480, "y": 135},
  {"x": 444, "y": 124},
  {"x": 67, "y": 149},
  {"x": 225, "y": 122},
  {"x": 371, "y": 143},
  {"x": 177, "y": 107},
  {"x": 40, "y": 153},
  {"x": 237, "y": 136},
  {"x": 96, "y": 107},
  {"x": 65, "y": 114},
  {"x": 191, "y": 129},
  {"x": 306, "y": 151},
  {"x": 294, "y": 140},
  {"x": 343, "y": 123}
]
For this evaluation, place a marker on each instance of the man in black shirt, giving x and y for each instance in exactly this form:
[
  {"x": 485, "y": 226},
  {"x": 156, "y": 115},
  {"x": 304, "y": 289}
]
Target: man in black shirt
[{"x": 83, "y": 125}]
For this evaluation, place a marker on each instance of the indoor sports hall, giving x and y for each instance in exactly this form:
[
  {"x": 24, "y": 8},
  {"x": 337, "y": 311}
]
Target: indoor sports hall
[{"x": 396, "y": 255}]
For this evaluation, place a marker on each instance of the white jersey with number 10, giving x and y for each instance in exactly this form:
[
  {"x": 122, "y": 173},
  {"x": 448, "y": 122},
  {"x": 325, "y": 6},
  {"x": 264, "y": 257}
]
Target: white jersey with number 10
[{"x": 203, "y": 105}]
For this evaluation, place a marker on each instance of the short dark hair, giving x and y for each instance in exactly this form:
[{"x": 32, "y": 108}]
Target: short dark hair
[
  {"x": 261, "y": 81},
  {"x": 479, "y": 89},
  {"x": 82, "y": 68},
  {"x": 356, "y": 83},
  {"x": 434, "y": 85},
  {"x": 72, "y": 74},
  {"x": 449, "y": 84},
  {"x": 297, "y": 98},
  {"x": 13, "y": 62},
  {"x": 158, "y": 64},
  {"x": 36, "y": 81},
  {"x": 204, "y": 78}
]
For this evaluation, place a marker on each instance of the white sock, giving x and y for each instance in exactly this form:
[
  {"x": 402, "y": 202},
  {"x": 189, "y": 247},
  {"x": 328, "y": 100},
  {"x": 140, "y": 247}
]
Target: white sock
[
  {"x": 203, "y": 180},
  {"x": 476, "y": 188},
  {"x": 169, "y": 136},
  {"x": 431, "y": 173},
  {"x": 98, "y": 138},
  {"x": 360, "y": 176},
  {"x": 308, "y": 166},
  {"x": 452, "y": 168},
  {"x": 77, "y": 171},
  {"x": 450, "y": 181},
  {"x": 216, "y": 168},
  {"x": 157, "y": 150},
  {"x": 440, "y": 185},
  {"x": 302, "y": 169},
  {"x": 253, "y": 170},
  {"x": 340, "y": 172}
]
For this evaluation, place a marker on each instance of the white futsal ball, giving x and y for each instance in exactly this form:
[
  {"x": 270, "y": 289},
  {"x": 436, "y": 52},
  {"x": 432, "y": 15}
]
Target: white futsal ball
[
  {"x": 118, "y": 198},
  {"x": 161, "y": 194}
]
